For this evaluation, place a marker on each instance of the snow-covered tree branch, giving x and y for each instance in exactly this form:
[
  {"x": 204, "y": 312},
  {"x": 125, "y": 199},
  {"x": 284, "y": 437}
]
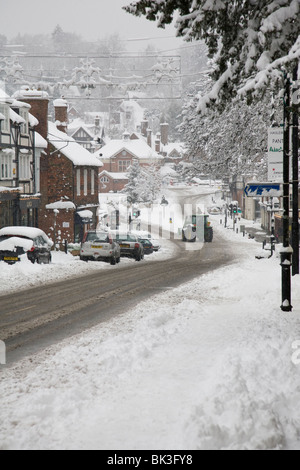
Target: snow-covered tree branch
[{"x": 248, "y": 40}]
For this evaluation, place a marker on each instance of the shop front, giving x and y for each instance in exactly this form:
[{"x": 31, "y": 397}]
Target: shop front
[{"x": 9, "y": 207}]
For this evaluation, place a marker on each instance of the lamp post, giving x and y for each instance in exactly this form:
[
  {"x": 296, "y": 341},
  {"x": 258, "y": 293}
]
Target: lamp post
[
  {"x": 286, "y": 252},
  {"x": 295, "y": 184}
]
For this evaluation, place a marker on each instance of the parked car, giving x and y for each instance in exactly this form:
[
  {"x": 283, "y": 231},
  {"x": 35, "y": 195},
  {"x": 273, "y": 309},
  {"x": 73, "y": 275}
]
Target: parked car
[
  {"x": 16, "y": 241},
  {"x": 148, "y": 247},
  {"x": 144, "y": 234},
  {"x": 100, "y": 246},
  {"x": 130, "y": 246}
]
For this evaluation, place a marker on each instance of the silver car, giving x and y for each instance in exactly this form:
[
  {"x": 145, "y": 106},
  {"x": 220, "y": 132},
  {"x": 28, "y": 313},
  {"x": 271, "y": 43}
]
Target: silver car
[{"x": 100, "y": 246}]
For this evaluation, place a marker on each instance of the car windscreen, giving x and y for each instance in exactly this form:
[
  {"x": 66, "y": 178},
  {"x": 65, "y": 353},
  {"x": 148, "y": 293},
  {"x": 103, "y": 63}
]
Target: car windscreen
[
  {"x": 7, "y": 237},
  {"x": 126, "y": 237},
  {"x": 97, "y": 236}
]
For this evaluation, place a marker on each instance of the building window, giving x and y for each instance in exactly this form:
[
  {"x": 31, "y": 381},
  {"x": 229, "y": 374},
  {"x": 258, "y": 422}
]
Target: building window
[
  {"x": 92, "y": 182},
  {"x": 78, "y": 182},
  {"x": 5, "y": 125},
  {"x": 6, "y": 163},
  {"x": 24, "y": 167},
  {"x": 24, "y": 115},
  {"x": 85, "y": 176},
  {"x": 104, "y": 179},
  {"x": 124, "y": 165}
]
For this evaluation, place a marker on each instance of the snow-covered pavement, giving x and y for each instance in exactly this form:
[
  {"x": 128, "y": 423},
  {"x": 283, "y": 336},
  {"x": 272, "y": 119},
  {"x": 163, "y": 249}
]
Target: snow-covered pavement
[{"x": 212, "y": 364}]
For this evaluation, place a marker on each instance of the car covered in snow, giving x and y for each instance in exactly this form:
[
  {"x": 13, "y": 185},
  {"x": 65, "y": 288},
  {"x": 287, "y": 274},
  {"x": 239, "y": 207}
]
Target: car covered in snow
[
  {"x": 16, "y": 241},
  {"x": 100, "y": 246}
]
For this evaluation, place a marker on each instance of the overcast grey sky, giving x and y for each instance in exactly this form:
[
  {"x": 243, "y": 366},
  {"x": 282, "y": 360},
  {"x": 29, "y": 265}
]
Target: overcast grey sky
[{"x": 91, "y": 19}]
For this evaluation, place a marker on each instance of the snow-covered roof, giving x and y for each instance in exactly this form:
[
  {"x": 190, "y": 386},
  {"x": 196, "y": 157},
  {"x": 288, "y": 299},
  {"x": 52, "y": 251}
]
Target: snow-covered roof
[
  {"x": 178, "y": 146},
  {"x": 20, "y": 104},
  {"x": 138, "y": 148},
  {"x": 61, "y": 205},
  {"x": 85, "y": 214},
  {"x": 78, "y": 155},
  {"x": 168, "y": 171},
  {"x": 5, "y": 189},
  {"x": 25, "y": 93},
  {"x": 40, "y": 142},
  {"x": 33, "y": 122},
  {"x": 15, "y": 117},
  {"x": 114, "y": 175},
  {"x": 78, "y": 124}
]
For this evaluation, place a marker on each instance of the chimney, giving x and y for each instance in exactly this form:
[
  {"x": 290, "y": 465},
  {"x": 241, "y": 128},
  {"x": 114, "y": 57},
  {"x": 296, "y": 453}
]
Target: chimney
[
  {"x": 144, "y": 127},
  {"x": 149, "y": 137},
  {"x": 126, "y": 136},
  {"x": 38, "y": 101},
  {"x": 61, "y": 114},
  {"x": 97, "y": 121},
  {"x": 157, "y": 143},
  {"x": 164, "y": 129}
]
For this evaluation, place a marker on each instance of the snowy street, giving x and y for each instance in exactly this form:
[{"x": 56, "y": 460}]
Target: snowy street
[
  {"x": 150, "y": 228},
  {"x": 207, "y": 365}
]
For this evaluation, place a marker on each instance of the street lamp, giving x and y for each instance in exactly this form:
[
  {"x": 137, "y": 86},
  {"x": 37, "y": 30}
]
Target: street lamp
[{"x": 287, "y": 251}]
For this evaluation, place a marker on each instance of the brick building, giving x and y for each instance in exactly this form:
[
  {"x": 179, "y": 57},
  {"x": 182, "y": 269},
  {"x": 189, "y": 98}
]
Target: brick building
[
  {"x": 117, "y": 157},
  {"x": 68, "y": 174},
  {"x": 20, "y": 150}
]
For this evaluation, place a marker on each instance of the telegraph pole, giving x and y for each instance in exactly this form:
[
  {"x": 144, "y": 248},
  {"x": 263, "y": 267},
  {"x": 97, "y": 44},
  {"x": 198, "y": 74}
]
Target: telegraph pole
[{"x": 286, "y": 253}]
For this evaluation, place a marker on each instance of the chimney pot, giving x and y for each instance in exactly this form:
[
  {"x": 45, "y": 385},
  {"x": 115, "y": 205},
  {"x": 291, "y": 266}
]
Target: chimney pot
[{"x": 61, "y": 114}]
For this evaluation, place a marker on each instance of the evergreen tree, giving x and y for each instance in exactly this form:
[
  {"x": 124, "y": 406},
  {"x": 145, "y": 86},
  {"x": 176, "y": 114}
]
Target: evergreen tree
[
  {"x": 151, "y": 183},
  {"x": 133, "y": 187}
]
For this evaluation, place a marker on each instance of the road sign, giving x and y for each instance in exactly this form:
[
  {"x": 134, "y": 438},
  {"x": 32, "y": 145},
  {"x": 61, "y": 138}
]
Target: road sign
[
  {"x": 275, "y": 154},
  {"x": 263, "y": 190}
]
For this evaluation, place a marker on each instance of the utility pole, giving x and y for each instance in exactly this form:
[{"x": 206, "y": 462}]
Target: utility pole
[
  {"x": 286, "y": 253},
  {"x": 295, "y": 142}
]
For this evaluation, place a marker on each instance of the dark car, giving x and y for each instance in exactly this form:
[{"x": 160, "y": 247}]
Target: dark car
[
  {"x": 130, "y": 246},
  {"x": 148, "y": 246},
  {"x": 16, "y": 241}
]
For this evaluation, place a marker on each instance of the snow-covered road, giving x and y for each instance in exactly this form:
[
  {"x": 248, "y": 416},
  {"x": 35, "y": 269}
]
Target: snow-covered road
[{"x": 211, "y": 364}]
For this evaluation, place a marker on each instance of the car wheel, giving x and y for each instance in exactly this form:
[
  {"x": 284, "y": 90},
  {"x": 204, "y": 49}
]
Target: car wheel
[
  {"x": 119, "y": 260},
  {"x": 83, "y": 258},
  {"x": 113, "y": 260}
]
